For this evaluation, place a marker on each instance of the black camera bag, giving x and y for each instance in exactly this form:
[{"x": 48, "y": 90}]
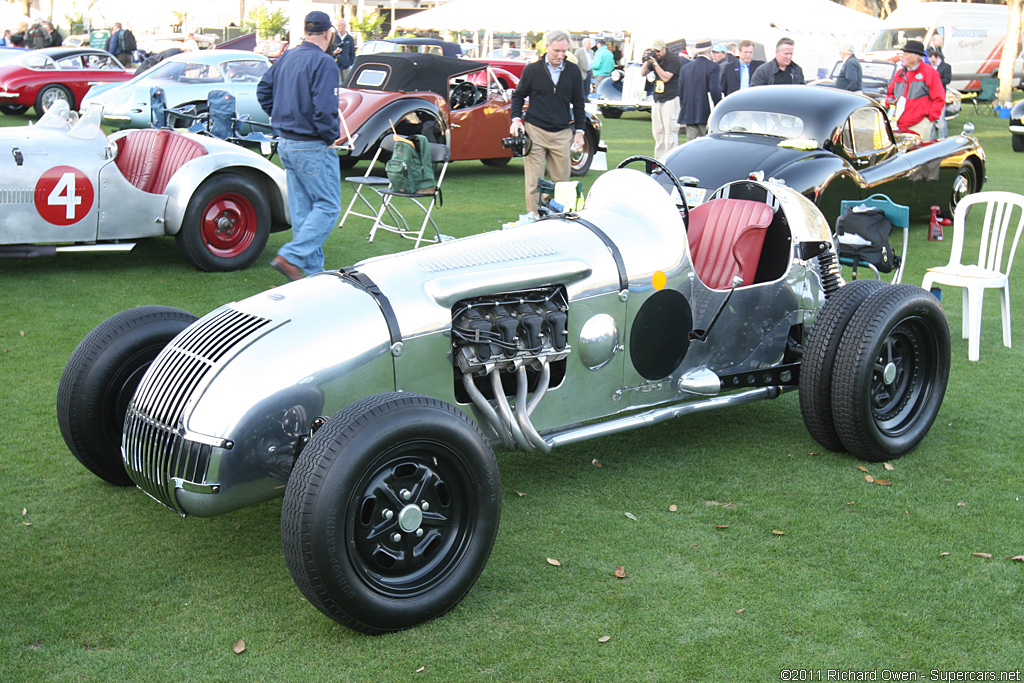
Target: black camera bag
[{"x": 873, "y": 226}]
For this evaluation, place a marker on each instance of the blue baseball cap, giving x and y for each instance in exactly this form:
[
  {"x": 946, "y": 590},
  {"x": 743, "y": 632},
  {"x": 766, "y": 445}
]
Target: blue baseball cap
[{"x": 317, "y": 22}]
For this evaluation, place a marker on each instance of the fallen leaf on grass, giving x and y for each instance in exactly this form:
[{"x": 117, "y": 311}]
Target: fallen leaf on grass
[
  {"x": 239, "y": 647},
  {"x": 987, "y": 556},
  {"x": 672, "y": 508},
  {"x": 888, "y": 466},
  {"x": 631, "y": 516},
  {"x": 721, "y": 526},
  {"x": 21, "y": 332},
  {"x": 779, "y": 533},
  {"x": 943, "y": 554},
  {"x": 620, "y": 572},
  {"x": 741, "y": 610},
  {"x": 553, "y": 562},
  {"x": 852, "y": 502},
  {"x": 604, "y": 639},
  {"x": 961, "y": 505},
  {"x": 420, "y": 670},
  {"x": 813, "y": 453},
  {"x": 883, "y": 482},
  {"x": 596, "y": 463},
  {"x": 862, "y": 468},
  {"x": 869, "y": 479},
  {"x": 520, "y": 494},
  {"x": 24, "y": 511},
  {"x": 1018, "y": 558}
]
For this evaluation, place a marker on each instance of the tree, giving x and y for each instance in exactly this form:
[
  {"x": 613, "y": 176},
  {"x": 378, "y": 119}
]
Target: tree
[
  {"x": 267, "y": 24},
  {"x": 1011, "y": 48},
  {"x": 368, "y": 25}
]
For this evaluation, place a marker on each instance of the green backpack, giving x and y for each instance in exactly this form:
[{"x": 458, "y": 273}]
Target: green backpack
[{"x": 410, "y": 168}]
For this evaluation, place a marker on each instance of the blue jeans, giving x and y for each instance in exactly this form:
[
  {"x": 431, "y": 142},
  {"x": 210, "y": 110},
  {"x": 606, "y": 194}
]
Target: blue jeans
[
  {"x": 314, "y": 200},
  {"x": 940, "y": 128}
]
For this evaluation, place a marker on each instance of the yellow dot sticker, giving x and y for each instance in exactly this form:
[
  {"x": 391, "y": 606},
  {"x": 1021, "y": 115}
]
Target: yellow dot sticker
[{"x": 658, "y": 280}]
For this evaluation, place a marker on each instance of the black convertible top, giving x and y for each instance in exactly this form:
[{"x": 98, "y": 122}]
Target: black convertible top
[{"x": 408, "y": 71}]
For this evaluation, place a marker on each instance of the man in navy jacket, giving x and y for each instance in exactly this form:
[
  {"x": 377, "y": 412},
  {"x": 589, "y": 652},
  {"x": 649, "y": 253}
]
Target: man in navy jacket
[{"x": 700, "y": 88}]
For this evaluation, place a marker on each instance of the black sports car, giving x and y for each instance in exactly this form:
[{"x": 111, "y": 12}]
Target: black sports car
[{"x": 829, "y": 145}]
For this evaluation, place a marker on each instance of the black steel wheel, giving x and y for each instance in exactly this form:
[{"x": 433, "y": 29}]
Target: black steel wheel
[
  {"x": 52, "y": 93},
  {"x": 391, "y": 511},
  {"x": 819, "y": 354},
  {"x": 965, "y": 183},
  {"x": 100, "y": 379},
  {"x": 890, "y": 373},
  {"x": 581, "y": 159},
  {"x": 226, "y": 225}
]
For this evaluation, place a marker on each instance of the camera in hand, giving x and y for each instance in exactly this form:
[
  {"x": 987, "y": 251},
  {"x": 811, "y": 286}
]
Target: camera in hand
[
  {"x": 519, "y": 144},
  {"x": 650, "y": 54}
]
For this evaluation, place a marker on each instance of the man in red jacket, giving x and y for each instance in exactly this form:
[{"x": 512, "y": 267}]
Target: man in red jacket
[{"x": 917, "y": 92}]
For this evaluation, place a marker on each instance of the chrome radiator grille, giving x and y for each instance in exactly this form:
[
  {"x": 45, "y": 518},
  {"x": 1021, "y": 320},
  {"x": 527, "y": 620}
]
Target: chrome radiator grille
[{"x": 155, "y": 450}]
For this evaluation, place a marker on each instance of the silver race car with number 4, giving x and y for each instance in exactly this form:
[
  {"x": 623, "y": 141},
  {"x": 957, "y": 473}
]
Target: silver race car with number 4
[
  {"x": 372, "y": 397},
  {"x": 66, "y": 186}
]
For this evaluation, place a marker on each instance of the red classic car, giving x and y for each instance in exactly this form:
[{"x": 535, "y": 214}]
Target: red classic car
[
  {"x": 41, "y": 77},
  {"x": 463, "y": 103}
]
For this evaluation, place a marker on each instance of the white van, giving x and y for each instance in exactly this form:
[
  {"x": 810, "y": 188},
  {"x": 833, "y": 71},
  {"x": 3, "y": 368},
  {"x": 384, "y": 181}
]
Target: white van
[{"x": 972, "y": 37}]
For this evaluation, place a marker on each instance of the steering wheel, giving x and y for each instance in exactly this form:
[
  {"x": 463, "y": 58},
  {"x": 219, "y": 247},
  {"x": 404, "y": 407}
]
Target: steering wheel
[
  {"x": 463, "y": 94},
  {"x": 650, "y": 165}
]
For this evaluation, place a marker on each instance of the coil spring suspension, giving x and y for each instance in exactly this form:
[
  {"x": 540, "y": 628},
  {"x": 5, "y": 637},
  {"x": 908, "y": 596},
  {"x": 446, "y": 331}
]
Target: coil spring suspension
[{"x": 829, "y": 272}]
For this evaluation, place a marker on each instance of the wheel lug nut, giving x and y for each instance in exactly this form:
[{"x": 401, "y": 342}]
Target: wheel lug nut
[
  {"x": 406, "y": 494},
  {"x": 388, "y": 514},
  {"x": 396, "y": 537},
  {"x": 424, "y": 505},
  {"x": 419, "y": 533}
]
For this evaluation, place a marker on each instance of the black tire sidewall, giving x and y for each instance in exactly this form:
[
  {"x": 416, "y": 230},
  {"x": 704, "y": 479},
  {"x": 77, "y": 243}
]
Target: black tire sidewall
[
  {"x": 591, "y": 150},
  {"x": 966, "y": 170},
  {"x": 866, "y": 335},
  {"x": 358, "y": 443},
  {"x": 53, "y": 86},
  {"x": 1017, "y": 142},
  {"x": 190, "y": 236},
  {"x": 816, "y": 367},
  {"x": 116, "y": 352}
]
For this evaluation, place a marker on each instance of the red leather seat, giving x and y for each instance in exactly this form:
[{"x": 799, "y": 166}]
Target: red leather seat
[
  {"x": 148, "y": 158},
  {"x": 726, "y": 237}
]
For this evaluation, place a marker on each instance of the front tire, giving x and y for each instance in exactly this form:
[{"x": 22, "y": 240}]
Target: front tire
[
  {"x": 819, "y": 356},
  {"x": 496, "y": 162},
  {"x": 579, "y": 162},
  {"x": 52, "y": 93},
  {"x": 1018, "y": 142},
  {"x": 611, "y": 112},
  {"x": 391, "y": 511},
  {"x": 226, "y": 225},
  {"x": 965, "y": 183},
  {"x": 891, "y": 371},
  {"x": 13, "y": 109},
  {"x": 100, "y": 379}
]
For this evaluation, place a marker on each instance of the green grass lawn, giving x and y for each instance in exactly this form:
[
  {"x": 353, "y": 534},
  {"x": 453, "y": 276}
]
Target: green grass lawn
[{"x": 102, "y": 584}]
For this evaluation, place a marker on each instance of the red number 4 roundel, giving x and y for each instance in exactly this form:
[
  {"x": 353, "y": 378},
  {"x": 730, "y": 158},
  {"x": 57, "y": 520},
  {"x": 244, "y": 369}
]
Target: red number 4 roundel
[{"x": 64, "y": 195}]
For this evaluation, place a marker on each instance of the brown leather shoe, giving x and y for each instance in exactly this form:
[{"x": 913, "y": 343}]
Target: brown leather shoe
[{"x": 282, "y": 266}]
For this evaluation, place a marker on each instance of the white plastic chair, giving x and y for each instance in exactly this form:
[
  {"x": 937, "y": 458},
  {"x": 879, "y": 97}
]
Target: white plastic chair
[{"x": 992, "y": 270}]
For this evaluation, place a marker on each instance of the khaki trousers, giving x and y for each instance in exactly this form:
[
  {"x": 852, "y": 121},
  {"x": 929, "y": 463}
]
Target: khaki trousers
[
  {"x": 664, "y": 126},
  {"x": 550, "y": 151}
]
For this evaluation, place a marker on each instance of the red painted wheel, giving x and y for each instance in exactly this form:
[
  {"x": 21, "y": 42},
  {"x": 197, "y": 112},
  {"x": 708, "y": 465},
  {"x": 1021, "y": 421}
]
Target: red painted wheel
[{"x": 226, "y": 225}]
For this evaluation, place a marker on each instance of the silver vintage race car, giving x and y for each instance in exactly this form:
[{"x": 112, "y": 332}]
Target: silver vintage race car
[
  {"x": 373, "y": 397},
  {"x": 68, "y": 187}
]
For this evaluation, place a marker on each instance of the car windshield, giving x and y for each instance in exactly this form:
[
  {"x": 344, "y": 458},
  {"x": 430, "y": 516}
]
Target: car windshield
[
  {"x": 895, "y": 38},
  {"x": 88, "y": 126},
  {"x": 181, "y": 72},
  {"x": 786, "y": 126},
  {"x": 245, "y": 70}
]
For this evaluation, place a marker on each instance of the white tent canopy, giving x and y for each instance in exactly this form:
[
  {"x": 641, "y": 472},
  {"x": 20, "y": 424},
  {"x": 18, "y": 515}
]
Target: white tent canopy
[{"x": 669, "y": 19}]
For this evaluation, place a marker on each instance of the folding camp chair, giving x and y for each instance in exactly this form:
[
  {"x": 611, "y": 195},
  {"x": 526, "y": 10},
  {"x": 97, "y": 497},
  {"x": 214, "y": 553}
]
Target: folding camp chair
[
  {"x": 987, "y": 95},
  {"x": 899, "y": 217},
  {"x": 224, "y": 124},
  {"x": 439, "y": 154},
  {"x": 367, "y": 182}
]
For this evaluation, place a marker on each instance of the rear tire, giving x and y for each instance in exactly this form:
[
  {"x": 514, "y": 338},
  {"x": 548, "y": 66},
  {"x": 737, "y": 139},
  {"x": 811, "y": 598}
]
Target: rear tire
[
  {"x": 819, "y": 356},
  {"x": 100, "y": 379},
  {"x": 579, "y": 165},
  {"x": 226, "y": 225},
  {"x": 391, "y": 511},
  {"x": 13, "y": 109},
  {"x": 50, "y": 94},
  {"x": 965, "y": 183},
  {"x": 891, "y": 371},
  {"x": 497, "y": 162},
  {"x": 611, "y": 113},
  {"x": 1018, "y": 142}
]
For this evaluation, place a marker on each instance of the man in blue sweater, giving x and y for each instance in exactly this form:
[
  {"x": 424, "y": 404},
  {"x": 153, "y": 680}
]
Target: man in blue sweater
[
  {"x": 300, "y": 92},
  {"x": 555, "y": 92}
]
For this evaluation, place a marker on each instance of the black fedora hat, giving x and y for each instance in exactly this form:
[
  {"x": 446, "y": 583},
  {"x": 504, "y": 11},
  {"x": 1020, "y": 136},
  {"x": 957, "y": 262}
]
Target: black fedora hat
[{"x": 914, "y": 47}]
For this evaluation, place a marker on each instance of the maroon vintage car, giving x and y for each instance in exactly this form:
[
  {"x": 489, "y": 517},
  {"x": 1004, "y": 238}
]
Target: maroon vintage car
[
  {"x": 38, "y": 78},
  {"x": 463, "y": 103}
]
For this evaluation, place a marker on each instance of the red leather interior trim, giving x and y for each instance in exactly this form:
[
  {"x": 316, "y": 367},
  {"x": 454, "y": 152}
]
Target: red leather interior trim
[
  {"x": 726, "y": 237},
  {"x": 148, "y": 158}
]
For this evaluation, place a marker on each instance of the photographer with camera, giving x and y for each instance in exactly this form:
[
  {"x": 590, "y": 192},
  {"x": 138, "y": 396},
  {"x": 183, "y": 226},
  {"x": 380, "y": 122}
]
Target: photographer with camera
[
  {"x": 665, "y": 64},
  {"x": 552, "y": 89}
]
